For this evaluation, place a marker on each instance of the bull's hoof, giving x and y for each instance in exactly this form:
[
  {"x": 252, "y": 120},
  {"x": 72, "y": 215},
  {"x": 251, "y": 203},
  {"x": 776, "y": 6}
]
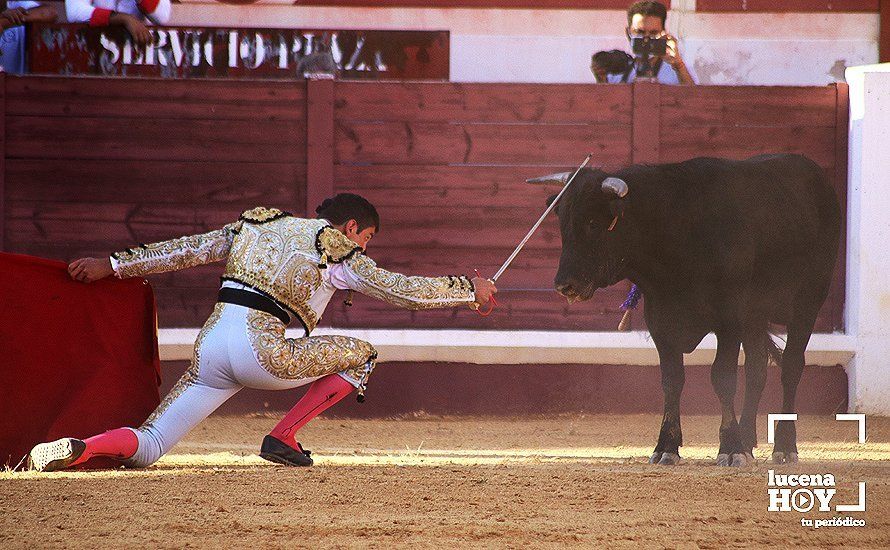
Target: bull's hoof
[
  {"x": 669, "y": 459},
  {"x": 784, "y": 458},
  {"x": 656, "y": 456},
  {"x": 739, "y": 460},
  {"x": 723, "y": 459}
]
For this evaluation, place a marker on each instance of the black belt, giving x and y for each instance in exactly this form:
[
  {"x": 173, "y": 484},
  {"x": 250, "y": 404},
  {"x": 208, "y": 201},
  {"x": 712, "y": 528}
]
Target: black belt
[{"x": 253, "y": 301}]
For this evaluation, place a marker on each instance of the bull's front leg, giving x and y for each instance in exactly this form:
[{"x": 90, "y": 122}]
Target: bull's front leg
[
  {"x": 667, "y": 450},
  {"x": 756, "y": 361},
  {"x": 724, "y": 379}
]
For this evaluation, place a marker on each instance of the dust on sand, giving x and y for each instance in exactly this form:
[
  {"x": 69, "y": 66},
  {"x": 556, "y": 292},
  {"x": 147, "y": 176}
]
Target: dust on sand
[{"x": 441, "y": 482}]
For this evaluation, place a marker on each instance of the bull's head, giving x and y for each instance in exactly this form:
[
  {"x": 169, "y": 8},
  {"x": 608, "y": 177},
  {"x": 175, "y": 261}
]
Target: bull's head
[{"x": 592, "y": 242}]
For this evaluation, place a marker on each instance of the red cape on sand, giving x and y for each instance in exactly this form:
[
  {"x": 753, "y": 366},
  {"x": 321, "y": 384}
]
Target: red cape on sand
[{"x": 76, "y": 359}]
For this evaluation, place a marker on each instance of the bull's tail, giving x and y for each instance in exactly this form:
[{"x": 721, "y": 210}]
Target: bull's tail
[{"x": 773, "y": 351}]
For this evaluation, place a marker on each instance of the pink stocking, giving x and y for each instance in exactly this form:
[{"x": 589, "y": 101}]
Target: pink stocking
[
  {"x": 322, "y": 394},
  {"x": 120, "y": 444}
]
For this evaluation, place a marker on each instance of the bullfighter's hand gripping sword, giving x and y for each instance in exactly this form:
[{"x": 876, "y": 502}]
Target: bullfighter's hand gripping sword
[{"x": 533, "y": 229}]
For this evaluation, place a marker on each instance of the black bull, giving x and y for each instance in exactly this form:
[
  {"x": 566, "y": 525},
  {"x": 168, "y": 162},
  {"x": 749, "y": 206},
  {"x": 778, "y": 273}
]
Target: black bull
[{"x": 716, "y": 246}]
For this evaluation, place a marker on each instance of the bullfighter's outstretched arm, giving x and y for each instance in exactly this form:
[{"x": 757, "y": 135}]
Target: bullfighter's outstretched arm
[
  {"x": 351, "y": 269},
  {"x": 175, "y": 254},
  {"x": 360, "y": 273}
]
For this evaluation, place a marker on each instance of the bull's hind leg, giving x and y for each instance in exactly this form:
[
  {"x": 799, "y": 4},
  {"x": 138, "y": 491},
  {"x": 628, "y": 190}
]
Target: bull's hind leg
[
  {"x": 785, "y": 448},
  {"x": 806, "y": 308},
  {"x": 756, "y": 359},
  {"x": 670, "y": 438},
  {"x": 724, "y": 376}
]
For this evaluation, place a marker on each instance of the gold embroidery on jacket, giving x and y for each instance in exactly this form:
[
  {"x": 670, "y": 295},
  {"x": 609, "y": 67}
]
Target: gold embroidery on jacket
[
  {"x": 191, "y": 375},
  {"x": 360, "y": 374},
  {"x": 310, "y": 357},
  {"x": 261, "y": 214},
  {"x": 334, "y": 246},
  {"x": 177, "y": 254},
  {"x": 410, "y": 292},
  {"x": 279, "y": 259}
]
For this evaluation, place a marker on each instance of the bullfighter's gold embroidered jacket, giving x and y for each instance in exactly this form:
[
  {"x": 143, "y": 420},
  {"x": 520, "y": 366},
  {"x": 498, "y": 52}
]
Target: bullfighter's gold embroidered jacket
[{"x": 297, "y": 262}]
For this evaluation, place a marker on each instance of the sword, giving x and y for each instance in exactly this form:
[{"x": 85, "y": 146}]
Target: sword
[
  {"x": 538, "y": 223},
  {"x": 527, "y": 237}
]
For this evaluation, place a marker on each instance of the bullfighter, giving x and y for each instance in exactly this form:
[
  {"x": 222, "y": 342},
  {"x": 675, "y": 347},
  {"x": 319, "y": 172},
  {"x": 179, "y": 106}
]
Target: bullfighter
[{"x": 279, "y": 268}]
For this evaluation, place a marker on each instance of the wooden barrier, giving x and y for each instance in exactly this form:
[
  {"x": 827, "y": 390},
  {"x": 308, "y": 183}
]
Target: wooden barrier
[
  {"x": 94, "y": 165},
  {"x": 2, "y": 162}
]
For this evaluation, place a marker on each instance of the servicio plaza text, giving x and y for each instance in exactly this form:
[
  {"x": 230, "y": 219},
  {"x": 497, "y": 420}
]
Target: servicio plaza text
[
  {"x": 178, "y": 47},
  {"x": 233, "y": 53}
]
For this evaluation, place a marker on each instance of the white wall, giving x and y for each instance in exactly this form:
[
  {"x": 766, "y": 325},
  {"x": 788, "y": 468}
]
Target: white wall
[
  {"x": 503, "y": 45},
  {"x": 868, "y": 229}
]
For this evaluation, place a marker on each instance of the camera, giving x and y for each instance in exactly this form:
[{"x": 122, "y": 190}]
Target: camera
[
  {"x": 645, "y": 50},
  {"x": 612, "y": 61},
  {"x": 646, "y": 46}
]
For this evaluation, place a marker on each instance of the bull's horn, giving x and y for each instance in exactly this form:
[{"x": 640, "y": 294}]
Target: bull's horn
[
  {"x": 560, "y": 178},
  {"x": 617, "y": 186}
]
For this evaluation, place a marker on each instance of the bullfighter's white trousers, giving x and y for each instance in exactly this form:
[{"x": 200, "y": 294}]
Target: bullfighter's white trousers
[{"x": 241, "y": 347}]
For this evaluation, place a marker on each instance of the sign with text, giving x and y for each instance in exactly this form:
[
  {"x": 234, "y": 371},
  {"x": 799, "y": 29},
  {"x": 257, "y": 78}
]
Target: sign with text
[{"x": 236, "y": 53}]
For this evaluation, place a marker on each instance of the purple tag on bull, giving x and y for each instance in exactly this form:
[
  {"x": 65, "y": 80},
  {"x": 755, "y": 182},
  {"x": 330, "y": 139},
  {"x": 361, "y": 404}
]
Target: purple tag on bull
[{"x": 633, "y": 298}]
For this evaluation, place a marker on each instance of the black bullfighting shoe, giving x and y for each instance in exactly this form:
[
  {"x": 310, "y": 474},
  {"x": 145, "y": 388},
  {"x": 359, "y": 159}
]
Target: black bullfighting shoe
[
  {"x": 56, "y": 455},
  {"x": 275, "y": 450}
]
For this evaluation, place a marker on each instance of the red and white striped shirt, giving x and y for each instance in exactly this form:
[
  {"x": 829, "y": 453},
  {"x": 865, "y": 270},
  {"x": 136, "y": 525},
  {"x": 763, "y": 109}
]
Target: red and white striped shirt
[{"x": 97, "y": 12}]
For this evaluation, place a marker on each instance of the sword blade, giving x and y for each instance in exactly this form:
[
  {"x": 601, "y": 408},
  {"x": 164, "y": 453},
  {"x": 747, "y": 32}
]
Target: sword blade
[{"x": 538, "y": 223}]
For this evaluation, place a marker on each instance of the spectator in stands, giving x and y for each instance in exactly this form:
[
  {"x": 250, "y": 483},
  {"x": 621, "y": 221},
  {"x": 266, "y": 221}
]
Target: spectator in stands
[
  {"x": 130, "y": 14},
  {"x": 645, "y": 20},
  {"x": 13, "y": 16}
]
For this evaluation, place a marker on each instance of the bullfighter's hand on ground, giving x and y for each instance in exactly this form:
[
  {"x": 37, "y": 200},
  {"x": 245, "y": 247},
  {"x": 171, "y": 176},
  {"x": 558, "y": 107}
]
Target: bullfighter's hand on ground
[
  {"x": 484, "y": 289},
  {"x": 87, "y": 270}
]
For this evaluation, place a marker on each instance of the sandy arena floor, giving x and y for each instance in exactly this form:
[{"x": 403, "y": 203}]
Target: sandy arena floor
[{"x": 573, "y": 481}]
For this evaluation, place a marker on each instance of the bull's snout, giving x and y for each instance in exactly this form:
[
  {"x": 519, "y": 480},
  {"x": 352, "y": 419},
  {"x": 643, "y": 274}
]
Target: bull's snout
[
  {"x": 565, "y": 289},
  {"x": 568, "y": 290}
]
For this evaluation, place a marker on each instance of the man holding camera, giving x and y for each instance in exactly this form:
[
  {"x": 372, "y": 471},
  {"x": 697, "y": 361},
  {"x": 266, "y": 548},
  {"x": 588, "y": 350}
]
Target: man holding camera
[{"x": 656, "y": 55}]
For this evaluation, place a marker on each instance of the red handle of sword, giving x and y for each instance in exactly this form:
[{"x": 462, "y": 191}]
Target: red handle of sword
[{"x": 492, "y": 299}]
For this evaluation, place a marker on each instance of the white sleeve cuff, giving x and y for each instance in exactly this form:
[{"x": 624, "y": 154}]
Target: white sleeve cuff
[
  {"x": 341, "y": 278},
  {"x": 114, "y": 264}
]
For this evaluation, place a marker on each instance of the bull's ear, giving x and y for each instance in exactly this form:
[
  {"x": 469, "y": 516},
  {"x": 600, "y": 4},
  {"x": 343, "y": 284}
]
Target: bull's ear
[
  {"x": 550, "y": 199},
  {"x": 615, "y": 186}
]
